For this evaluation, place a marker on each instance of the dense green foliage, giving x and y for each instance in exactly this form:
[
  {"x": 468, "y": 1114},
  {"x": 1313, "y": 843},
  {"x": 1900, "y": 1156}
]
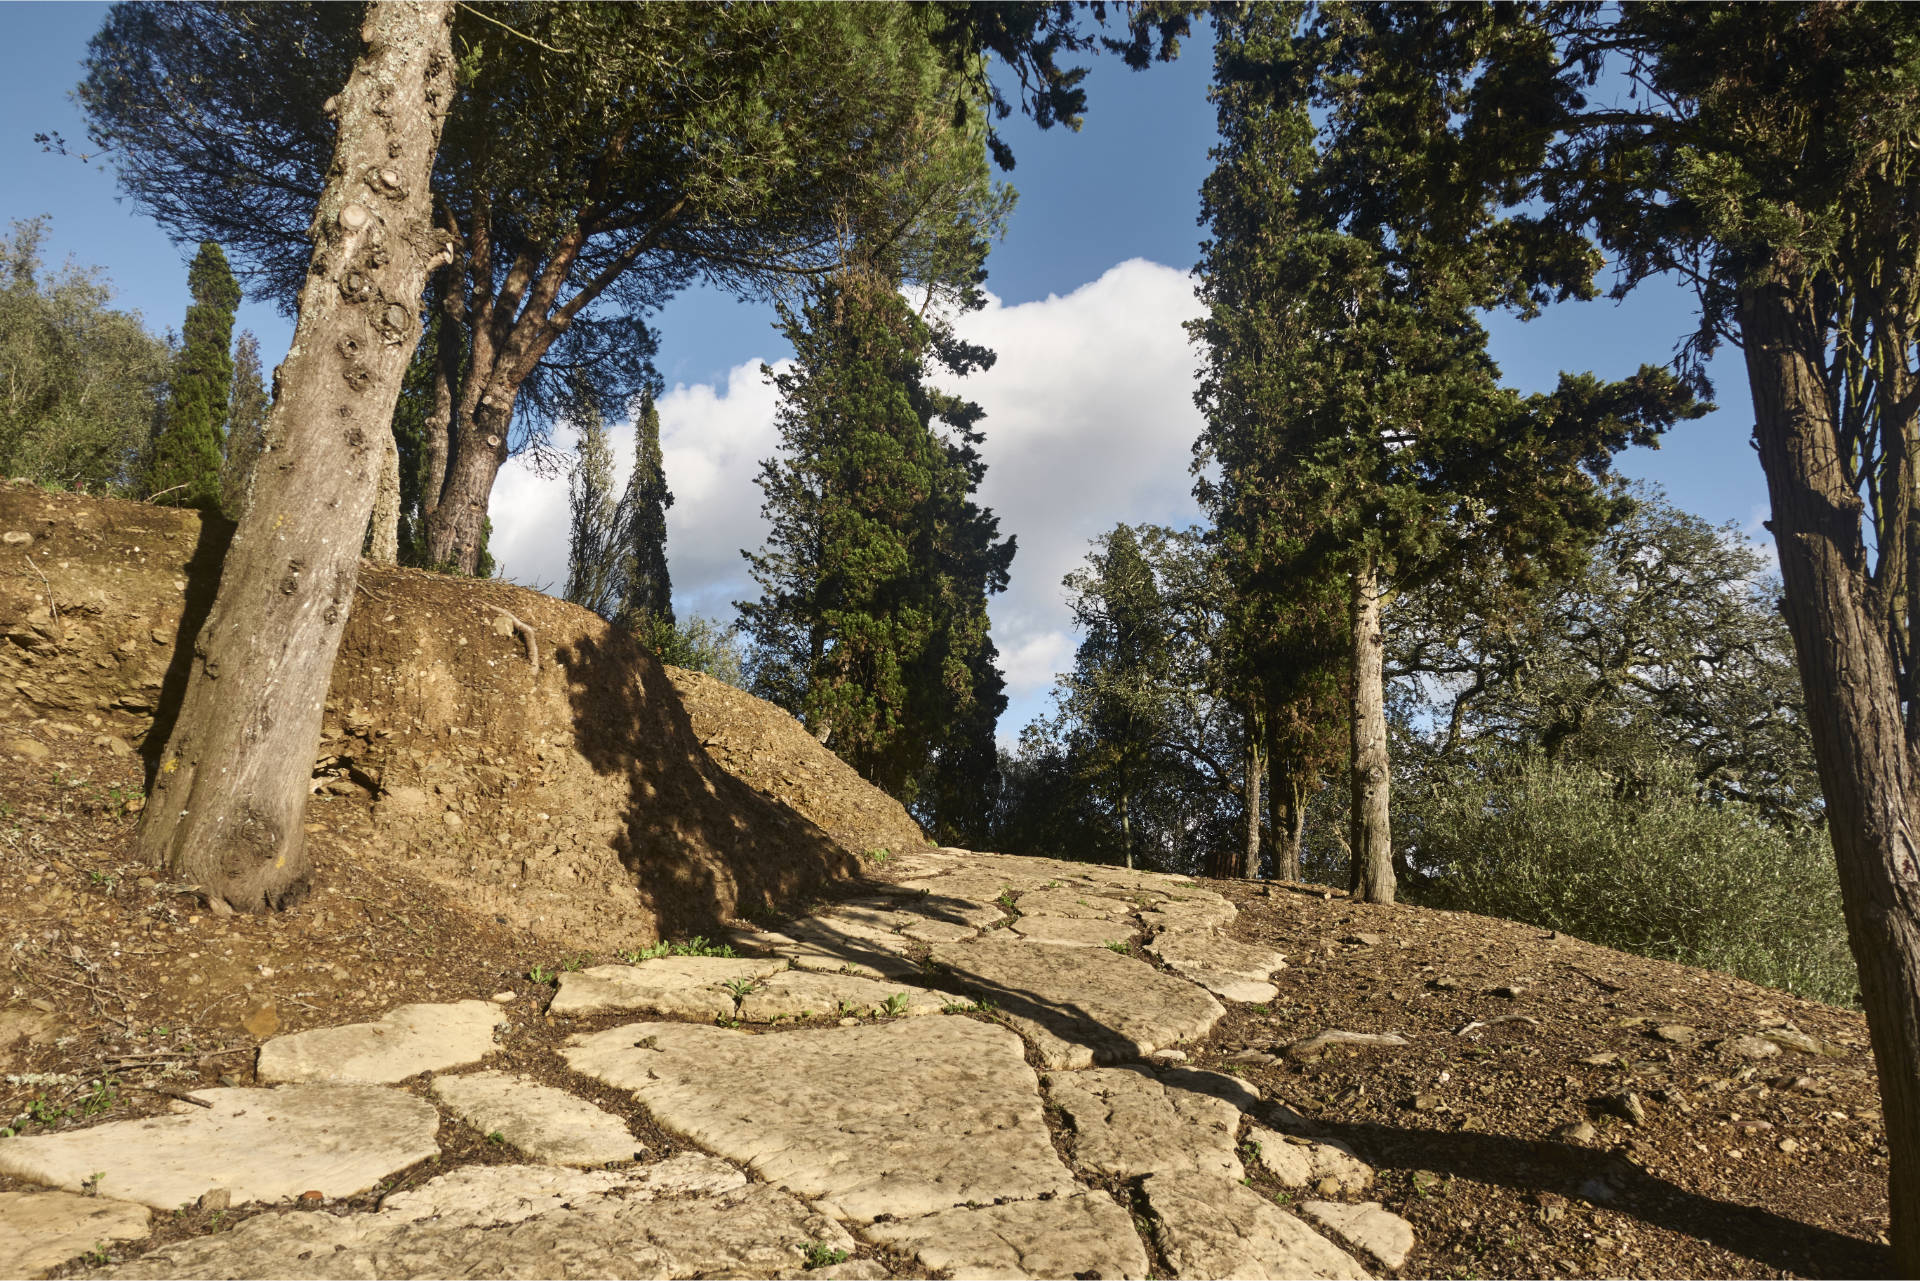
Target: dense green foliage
[
  {"x": 79, "y": 380},
  {"x": 871, "y": 625},
  {"x": 1641, "y": 863},
  {"x": 698, "y": 644},
  {"x": 1139, "y": 758},
  {"x": 187, "y": 457}
]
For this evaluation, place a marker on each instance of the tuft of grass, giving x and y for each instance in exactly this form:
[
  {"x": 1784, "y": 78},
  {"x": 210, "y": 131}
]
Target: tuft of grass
[
  {"x": 740, "y": 987},
  {"x": 1121, "y": 946},
  {"x": 823, "y": 1256},
  {"x": 698, "y": 945}
]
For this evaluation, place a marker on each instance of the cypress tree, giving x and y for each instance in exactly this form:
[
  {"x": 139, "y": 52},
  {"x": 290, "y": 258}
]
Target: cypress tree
[
  {"x": 246, "y": 426},
  {"x": 872, "y": 622},
  {"x": 595, "y": 554},
  {"x": 1359, "y": 425},
  {"x": 648, "y": 587},
  {"x": 187, "y": 456}
]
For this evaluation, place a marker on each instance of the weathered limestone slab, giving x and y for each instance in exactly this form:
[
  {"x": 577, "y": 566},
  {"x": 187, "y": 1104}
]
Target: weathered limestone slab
[
  {"x": 1078, "y": 1006},
  {"x": 890, "y": 1118},
  {"x": 753, "y": 1231},
  {"x": 1131, "y": 1121},
  {"x": 1216, "y": 1228},
  {"x": 260, "y": 1145},
  {"x": 958, "y": 899},
  {"x": 1300, "y": 1163},
  {"x": 1230, "y": 970},
  {"x": 932, "y": 929},
  {"x": 489, "y": 1195},
  {"x": 1367, "y": 1227},
  {"x": 851, "y": 944},
  {"x": 1074, "y": 903},
  {"x": 798, "y": 994},
  {"x": 1191, "y": 913},
  {"x": 683, "y": 986},
  {"x": 405, "y": 1041},
  {"x": 547, "y": 1124},
  {"x": 1070, "y": 1236},
  {"x": 1069, "y": 931},
  {"x": 42, "y": 1230},
  {"x": 1186, "y": 950}
]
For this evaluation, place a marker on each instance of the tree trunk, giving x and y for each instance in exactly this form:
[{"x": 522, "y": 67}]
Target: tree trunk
[
  {"x": 1249, "y": 867},
  {"x": 1372, "y": 837},
  {"x": 457, "y": 525},
  {"x": 1126, "y": 831},
  {"x": 436, "y": 435},
  {"x": 1853, "y": 711},
  {"x": 383, "y": 541},
  {"x": 1287, "y": 809},
  {"x": 231, "y": 790}
]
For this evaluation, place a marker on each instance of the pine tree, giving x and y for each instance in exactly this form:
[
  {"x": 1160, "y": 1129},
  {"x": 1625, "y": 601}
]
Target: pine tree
[
  {"x": 648, "y": 590},
  {"x": 872, "y": 623},
  {"x": 187, "y": 456},
  {"x": 246, "y": 425}
]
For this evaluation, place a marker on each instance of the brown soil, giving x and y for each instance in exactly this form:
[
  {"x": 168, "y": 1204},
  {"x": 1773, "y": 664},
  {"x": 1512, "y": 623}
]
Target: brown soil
[{"x": 606, "y": 801}]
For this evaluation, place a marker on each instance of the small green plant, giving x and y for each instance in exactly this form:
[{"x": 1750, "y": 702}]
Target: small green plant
[
  {"x": 823, "y": 1256},
  {"x": 102, "y": 1097},
  {"x": 496, "y": 1138},
  {"x": 161, "y": 1029},
  {"x": 1006, "y": 898},
  {"x": 41, "y": 1112},
  {"x": 695, "y": 946},
  {"x": 1121, "y": 946},
  {"x": 895, "y": 1005},
  {"x": 740, "y": 987},
  {"x": 541, "y": 974},
  {"x": 958, "y": 1007},
  {"x": 574, "y": 964},
  {"x": 879, "y": 856},
  {"x": 98, "y": 1256}
]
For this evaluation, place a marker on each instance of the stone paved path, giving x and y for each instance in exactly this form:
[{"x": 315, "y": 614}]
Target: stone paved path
[{"x": 857, "y": 1078}]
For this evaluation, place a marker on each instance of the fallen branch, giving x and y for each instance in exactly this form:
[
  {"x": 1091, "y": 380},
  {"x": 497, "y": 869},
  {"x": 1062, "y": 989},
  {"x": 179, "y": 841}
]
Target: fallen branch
[
  {"x": 51, "y": 607},
  {"x": 1496, "y": 1021},
  {"x": 526, "y": 634},
  {"x": 1320, "y": 1042},
  {"x": 182, "y": 1095}
]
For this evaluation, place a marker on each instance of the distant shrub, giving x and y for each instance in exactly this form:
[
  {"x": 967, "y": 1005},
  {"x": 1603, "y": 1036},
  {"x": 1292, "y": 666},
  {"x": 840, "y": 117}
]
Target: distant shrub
[
  {"x": 700, "y": 645},
  {"x": 1638, "y": 863}
]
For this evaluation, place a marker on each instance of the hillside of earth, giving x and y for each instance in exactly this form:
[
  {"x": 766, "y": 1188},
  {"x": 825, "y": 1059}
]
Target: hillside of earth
[{"x": 515, "y": 807}]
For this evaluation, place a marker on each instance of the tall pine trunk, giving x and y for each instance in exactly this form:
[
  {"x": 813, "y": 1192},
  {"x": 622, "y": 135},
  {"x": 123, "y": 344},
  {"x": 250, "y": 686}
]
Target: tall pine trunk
[
  {"x": 1126, "y": 829},
  {"x": 1249, "y": 867},
  {"x": 231, "y": 790},
  {"x": 1371, "y": 839},
  {"x": 457, "y": 524},
  {"x": 1853, "y": 711}
]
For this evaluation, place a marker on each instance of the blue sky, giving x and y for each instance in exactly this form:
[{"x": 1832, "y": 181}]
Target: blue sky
[{"x": 1089, "y": 412}]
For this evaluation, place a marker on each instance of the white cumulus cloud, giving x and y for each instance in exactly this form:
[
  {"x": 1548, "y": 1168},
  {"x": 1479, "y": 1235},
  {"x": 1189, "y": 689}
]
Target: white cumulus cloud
[{"x": 1089, "y": 421}]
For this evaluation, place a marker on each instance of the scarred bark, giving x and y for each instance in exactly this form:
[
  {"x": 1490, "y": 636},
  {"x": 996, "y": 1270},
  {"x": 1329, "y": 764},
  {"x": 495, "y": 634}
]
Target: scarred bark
[
  {"x": 230, "y": 793},
  {"x": 1853, "y": 710},
  {"x": 1371, "y": 836}
]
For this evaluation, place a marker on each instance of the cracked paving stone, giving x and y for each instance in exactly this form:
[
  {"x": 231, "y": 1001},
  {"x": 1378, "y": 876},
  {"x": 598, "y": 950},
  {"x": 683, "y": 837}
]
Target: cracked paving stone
[
  {"x": 1078, "y": 1006},
  {"x": 1367, "y": 1227},
  {"x": 1069, "y": 931},
  {"x": 900, "y": 1118},
  {"x": 260, "y": 1145},
  {"x": 404, "y": 1042},
  {"x": 547, "y": 1124},
  {"x": 1218, "y": 1229},
  {"x": 1074, "y": 903},
  {"x": 1236, "y": 971},
  {"x": 1069, "y": 1236},
  {"x": 1304, "y": 1163},
  {"x": 798, "y": 994},
  {"x": 42, "y": 1230},
  {"x": 1131, "y": 1121},
  {"x": 689, "y": 986}
]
